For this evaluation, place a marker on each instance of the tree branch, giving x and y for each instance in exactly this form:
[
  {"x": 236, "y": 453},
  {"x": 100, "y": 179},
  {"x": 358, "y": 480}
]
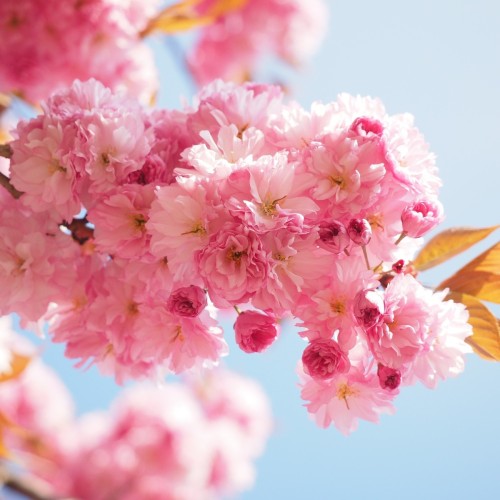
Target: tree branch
[
  {"x": 5, "y": 182},
  {"x": 80, "y": 231},
  {"x": 5, "y": 150},
  {"x": 29, "y": 488}
]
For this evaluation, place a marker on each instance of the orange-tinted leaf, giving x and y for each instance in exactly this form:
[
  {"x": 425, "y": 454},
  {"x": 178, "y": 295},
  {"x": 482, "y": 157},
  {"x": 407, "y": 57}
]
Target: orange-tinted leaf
[
  {"x": 449, "y": 243},
  {"x": 222, "y": 7},
  {"x": 181, "y": 16},
  {"x": 480, "y": 277},
  {"x": 18, "y": 364},
  {"x": 482, "y": 285},
  {"x": 488, "y": 261},
  {"x": 485, "y": 339},
  {"x": 4, "y": 424}
]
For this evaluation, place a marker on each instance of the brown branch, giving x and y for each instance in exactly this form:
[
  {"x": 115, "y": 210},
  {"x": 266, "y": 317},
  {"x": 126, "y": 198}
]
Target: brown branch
[
  {"x": 5, "y": 182},
  {"x": 80, "y": 231},
  {"x": 6, "y": 150},
  {"x": 30, "y": 488}
]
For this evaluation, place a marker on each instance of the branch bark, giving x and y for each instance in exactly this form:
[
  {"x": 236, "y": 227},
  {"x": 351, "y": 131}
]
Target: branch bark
[
  {"x": 28, "y": 488},
  {"x": 5, "y": 182},
  {"x": 5, "y": 150}
]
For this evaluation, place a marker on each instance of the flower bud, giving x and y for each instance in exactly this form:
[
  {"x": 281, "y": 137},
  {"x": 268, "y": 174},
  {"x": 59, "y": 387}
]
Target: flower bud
[
  {"x": 368, "y": 307},
  {"x": 188, "y": 301},
  {"x": 360, "y": 231},
  {"x": 254, "y": 331},
  {"x": 398, "y": 266},
  {"x": 421, "y": 217},
  {"x": 365, "y": 127},
  {"x": 333, "y": 236},
  {"x": 323, "y": 358},
  {"x": 389, "y": 378}
]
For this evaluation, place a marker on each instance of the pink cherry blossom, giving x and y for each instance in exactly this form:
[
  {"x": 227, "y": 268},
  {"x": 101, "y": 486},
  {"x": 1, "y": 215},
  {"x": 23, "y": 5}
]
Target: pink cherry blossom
[
  {"x": 389, "y": 378},
  {"x": 45, "y": 46},
  {"x": 254, "y": 331},
  {"x": 421, "y": 217},
  {"x": 360, "y": 231},
  {"x": 233, "y": 265},
  {"x": 333, "y": 236},
  {"x": 323, "y": 358},
  {"x": 402, "y": 335},
  {"x": 42, "y": 166},
  {"x": 345, "y": 398},
  {"x": 368, "y": 307},
  {"x": 187, "y": 301},
  {"x": 290, "y": 29},
  {"x": 120, "y": 220}
]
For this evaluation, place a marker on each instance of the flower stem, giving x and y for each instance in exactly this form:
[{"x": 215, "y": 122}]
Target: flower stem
[
  {"x": 366, "y": 257},
  {"x": 401, "y": 237}
]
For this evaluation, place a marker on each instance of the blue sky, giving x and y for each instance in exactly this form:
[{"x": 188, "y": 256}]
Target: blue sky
[{"x": 440, "y": 62}]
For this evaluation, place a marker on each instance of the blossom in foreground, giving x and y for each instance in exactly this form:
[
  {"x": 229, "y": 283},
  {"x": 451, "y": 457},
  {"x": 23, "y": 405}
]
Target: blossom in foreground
[{"x": 137, "y": 226}]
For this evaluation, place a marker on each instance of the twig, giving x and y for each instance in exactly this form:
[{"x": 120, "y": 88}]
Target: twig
[
  {"x": 5, "y": 150},
  {"x": 5, "y": 182},
  {"x": 80, "y": 231},
  {"x": 28, "y": 488}
]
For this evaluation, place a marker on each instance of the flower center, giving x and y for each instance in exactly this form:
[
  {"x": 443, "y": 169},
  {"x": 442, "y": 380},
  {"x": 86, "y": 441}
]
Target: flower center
[
  {"x": 139, "y": 222},
  {"x": 338, "y": 307},
  {"x": 235, "y": 255},
  {"x": 269, "y": 207},
  {"x": 344, "y": 391},
  {"x": 178, "y": 334},
  {"x": 132, "y": 308},
  {"x": 198, "y": 228},
  {"x": 338, "y": 180}
]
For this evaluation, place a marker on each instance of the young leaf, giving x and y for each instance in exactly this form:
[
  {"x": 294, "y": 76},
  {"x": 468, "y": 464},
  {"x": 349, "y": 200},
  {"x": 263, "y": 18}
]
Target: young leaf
[
  {"x": 17, "y": 366},
  {"x": 480, "y": 277},
  {"x": 224, "y": 6},
  {"x": 482, "y": 285},
  {"x": 449, "y": 243},
  {"x": 485, "y": 339},
  {"x": 4, "y": 423},
  {"x": 183, "y": 16}
]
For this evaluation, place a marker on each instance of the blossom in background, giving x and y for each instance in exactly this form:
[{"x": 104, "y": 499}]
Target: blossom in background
[
  {"x": 46, "y": 45},
  {"x": 199, "y": 439},
  {"x": 230, "y": 48}
]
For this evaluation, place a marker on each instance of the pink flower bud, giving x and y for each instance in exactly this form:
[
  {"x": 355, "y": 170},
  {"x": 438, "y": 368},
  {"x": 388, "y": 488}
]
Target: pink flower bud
[
  {"x": 421, "y": 217},
  {"x": 364, "y": 126},
  {"x": 323, "y": 358},
  {"x": 360, "y": 231},
  {"x": 398, "y": 266},
  {"x": 254, "y": 331},
  {"x": 389, "y": 378},
  {"x": 188, "y": 301},
  {"x": 368, "y": 307},
  {"x": 333, "y": 236}
]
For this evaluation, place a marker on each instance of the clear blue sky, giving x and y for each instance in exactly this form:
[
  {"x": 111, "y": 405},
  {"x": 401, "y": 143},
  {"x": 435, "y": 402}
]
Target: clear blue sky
[{"x": 438, "y": 60}]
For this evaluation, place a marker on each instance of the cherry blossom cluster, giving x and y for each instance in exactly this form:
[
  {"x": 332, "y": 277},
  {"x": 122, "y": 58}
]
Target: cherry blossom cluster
[
  {"x": 232, "y": 46},
  {"x": 130, "y": 226},
  {"x": 47, "y": 44},
  {"x": 193, "y": 440}
]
